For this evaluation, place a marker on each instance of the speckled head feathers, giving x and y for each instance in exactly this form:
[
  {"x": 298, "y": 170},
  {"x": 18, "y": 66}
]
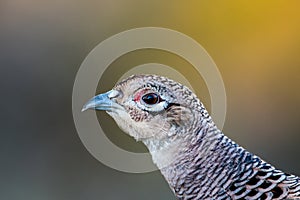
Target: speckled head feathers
[{"x": 155, "y": 107}]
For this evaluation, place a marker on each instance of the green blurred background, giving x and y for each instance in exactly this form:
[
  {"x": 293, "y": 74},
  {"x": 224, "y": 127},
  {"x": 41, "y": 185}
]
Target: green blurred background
[{"x": 255, "y": 44}]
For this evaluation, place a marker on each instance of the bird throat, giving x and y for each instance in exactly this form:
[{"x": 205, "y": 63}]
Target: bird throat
[{"x": 164, "y": 152}]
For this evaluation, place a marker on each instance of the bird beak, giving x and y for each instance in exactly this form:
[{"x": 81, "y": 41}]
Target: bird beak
[{"x": 102, "y": 101}]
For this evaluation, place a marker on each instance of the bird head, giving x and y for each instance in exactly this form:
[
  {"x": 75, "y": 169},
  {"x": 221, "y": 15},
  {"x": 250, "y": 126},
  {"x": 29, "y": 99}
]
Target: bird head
[{"x": 150, "y": 107}]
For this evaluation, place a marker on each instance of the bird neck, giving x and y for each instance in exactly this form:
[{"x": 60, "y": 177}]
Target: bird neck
[
  {"x": 163, "y": 151},
  {"x": 174, "y": 156},
  {"x": 169, "y": 151}
]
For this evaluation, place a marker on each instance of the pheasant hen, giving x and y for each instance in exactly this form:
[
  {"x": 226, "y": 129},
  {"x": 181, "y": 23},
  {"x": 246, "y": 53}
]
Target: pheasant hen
[{"x": 195, "y": 157}]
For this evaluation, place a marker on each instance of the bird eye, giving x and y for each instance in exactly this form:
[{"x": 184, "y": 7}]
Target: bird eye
[{"x": 151, "y": 98}]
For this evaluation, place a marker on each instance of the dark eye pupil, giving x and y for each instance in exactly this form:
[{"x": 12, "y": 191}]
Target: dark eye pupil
[{"x": 151, "y": 98}]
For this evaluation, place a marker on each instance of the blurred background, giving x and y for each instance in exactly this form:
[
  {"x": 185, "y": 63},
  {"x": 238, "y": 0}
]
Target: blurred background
[{"x": 255, "y": 45}]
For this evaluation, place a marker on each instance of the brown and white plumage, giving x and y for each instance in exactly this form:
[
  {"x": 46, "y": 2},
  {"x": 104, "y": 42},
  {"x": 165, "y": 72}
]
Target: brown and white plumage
[{"x": 196, "y": 158}]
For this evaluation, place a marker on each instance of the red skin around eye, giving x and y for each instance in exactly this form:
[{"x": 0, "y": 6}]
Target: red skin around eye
[{"x": 139, "y": 95}]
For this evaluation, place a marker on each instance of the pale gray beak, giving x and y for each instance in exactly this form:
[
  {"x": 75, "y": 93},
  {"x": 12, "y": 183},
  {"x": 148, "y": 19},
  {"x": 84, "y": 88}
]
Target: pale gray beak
[{"x": 102, "y": 101}]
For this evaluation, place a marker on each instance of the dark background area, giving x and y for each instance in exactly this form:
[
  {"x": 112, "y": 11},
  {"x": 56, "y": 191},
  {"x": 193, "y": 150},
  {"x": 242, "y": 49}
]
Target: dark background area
[{"x": 255, "y": 45}]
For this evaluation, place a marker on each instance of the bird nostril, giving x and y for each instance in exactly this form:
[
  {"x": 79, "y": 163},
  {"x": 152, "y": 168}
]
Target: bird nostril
[{"x": 113, "y": 94}]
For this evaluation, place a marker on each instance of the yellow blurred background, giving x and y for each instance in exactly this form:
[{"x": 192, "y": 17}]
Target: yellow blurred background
[{"x": 255, "y": 44}]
